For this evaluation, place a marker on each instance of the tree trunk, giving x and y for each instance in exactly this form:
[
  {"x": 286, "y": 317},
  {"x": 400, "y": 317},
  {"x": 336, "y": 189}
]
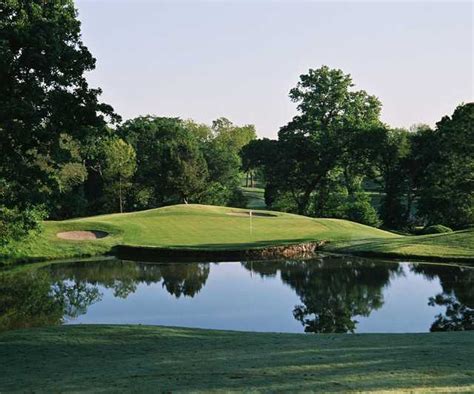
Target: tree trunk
[{"x": 120, "y": 194}]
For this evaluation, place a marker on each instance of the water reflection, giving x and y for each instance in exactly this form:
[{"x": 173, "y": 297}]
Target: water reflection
[
  {"x": 457, "y": 296},
  {"x": 332, "y": 294},
  {"x": 32, "y": 299}
]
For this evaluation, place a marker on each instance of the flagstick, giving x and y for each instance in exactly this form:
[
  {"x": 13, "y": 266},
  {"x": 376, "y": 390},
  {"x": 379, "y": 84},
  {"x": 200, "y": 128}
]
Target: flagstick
[{"x": 250, "y": 216}]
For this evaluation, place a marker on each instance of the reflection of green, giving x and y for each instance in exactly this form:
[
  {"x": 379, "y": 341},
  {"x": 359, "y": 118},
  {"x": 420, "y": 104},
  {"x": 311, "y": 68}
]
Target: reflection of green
[
  {"x": 457, "y": 296},
  {"x": 48, "y": 296},
  {"x": 124, "y": 276},
  {"x": 184, "y": 279},
  {"x": 32, "y": 298},
  {"x": 332, "y": 292}
]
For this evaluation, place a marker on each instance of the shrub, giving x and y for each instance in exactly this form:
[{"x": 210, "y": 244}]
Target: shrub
[
  {"x": 237, "y": 199},
  {"x": 16, "y": 224},
  {"x": 360, "y": 210}
]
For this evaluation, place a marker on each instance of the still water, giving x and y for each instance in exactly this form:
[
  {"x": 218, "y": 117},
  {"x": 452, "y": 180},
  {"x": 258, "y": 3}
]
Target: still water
[{"x": 326, "y": 294}]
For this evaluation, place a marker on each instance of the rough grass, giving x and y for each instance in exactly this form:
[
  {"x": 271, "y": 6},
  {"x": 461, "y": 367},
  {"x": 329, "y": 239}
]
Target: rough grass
[
  {"x": 457, "y": 245},
  {"x": 159, "y": 359},
  {"x": 189, "y": 226}
]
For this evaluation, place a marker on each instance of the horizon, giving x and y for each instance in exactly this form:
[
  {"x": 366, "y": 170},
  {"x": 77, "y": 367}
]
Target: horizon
[{"x": 244, "y": 63}]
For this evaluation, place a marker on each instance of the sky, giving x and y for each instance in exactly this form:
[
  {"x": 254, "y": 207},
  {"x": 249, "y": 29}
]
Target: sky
[{"x": 205, "y": 59}]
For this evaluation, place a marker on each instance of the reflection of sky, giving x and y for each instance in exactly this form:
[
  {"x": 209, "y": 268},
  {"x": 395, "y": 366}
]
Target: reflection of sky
[
  {"x": 233, "y": 298},
  {"x": 406, "y": 306}
]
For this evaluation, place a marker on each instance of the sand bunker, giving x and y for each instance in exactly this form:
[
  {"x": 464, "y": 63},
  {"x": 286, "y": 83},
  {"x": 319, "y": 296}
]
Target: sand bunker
[
  {"x": 254, "y": 213},
  {"x": 82, "y": 235}
]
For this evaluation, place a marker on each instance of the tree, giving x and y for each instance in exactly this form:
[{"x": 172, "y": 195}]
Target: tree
[
  {"x": 44, "y": 95},
  {"x": 445, "y": 183},
  {"x": 392, "y": 149},
  {"x": 319, "y": 138},
  {"x": 229, "y": 139},
  {"x": 120, "y": 165},
  {"x": 170, "y": 164}
]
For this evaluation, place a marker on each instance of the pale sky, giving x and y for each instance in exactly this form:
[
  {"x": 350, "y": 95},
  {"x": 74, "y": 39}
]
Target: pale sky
[{"x": 239, "y": 59}]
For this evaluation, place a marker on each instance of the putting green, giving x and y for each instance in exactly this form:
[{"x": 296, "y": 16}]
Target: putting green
[{"x": 206, "y": 227}]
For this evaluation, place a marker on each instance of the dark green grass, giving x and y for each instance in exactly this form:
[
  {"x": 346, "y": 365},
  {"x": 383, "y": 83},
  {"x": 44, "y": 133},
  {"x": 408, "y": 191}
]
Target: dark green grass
[{"x": 158, "y": 359}]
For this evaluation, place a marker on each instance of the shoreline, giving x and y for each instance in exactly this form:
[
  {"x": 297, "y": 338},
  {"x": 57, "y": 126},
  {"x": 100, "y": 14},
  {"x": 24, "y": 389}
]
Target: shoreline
[{"x": 301, "y": 250}]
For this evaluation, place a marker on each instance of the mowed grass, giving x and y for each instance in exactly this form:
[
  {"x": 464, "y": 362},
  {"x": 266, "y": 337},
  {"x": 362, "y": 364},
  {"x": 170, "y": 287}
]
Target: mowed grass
[
  {"x": 191, "y": 226},
  {"x": 159, "y": 359},
  {"x": 221, "y": 228},
  {"x": 457, "y": 245}
]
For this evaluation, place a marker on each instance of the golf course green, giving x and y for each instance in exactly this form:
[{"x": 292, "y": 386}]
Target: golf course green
[{"x": 202, "y": 227}]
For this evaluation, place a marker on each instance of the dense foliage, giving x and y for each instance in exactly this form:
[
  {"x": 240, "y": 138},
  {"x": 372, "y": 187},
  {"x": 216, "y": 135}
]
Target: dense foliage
[{"x": 337, "y": 159}]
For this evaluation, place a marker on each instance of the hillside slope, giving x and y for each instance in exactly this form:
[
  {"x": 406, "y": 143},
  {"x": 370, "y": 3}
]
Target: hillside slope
[{"x": 192, "y": 226}]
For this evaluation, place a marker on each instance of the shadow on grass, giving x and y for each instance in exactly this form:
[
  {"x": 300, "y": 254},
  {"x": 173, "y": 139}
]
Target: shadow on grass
[
  {"x": 126, "y": 358},
  {"x": 202, "y": 252}
]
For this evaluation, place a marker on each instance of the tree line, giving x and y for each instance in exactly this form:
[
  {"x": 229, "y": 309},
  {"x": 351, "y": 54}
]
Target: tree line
[
  {"x": 336, "y": 157},
  {"x": 64, "y": 153}
]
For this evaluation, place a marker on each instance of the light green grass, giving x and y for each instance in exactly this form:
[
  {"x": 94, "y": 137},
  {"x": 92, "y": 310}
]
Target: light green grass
[
  {"x": 214, "y": 228},
  {"x": 190, "y": 226},
  {"x": 457, "y": 245},
  {"x": 159, "y": 359}
]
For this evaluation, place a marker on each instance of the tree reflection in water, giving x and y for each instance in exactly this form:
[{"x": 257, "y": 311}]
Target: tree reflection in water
[
  {"x": 59, "y": 292},
  {"x": 457, "y": 296},
  {"x": 31, "y": 299},
  {"x": 333, "y": 291}
]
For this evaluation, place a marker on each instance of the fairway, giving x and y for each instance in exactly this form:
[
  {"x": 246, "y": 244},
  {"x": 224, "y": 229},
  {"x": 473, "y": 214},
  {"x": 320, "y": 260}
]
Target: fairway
[
  {"x": 191, "y": 226},
  {"x": 205, "y": 227},
  {"x": 124, "y": 358},
  {"x": 455, "y": 245}
]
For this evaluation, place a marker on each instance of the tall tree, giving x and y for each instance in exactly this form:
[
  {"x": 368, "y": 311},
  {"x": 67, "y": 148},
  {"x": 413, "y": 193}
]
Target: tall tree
[
  {"x": 445, "y": 186},
  {"x": 120, "y": 165},
  {"x": 44, "y": 95},
  {"x": 170, "y": 164},
  {"x": 392, "y": 150},
  {"x": 317, "y": 139}
]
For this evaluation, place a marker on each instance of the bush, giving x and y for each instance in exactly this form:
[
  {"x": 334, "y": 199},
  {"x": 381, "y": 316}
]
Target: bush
[
  {"x": 360, "y": 210},
  {"x": 237, "y": 199},
  {"x": 16, "y": 224},
  {"x": 436, "y": 229}
]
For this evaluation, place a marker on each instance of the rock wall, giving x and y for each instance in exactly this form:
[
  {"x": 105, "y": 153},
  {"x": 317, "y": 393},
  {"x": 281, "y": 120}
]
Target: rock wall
[{"x": 301, "y": 250}]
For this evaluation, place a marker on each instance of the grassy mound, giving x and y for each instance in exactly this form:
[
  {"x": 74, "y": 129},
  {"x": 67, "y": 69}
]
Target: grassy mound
[
  {"x": 458, "y": 245},
  {"x": 190, "y": 226},
  {"x": 125, "y": 358},
  {"x": 218, "y": 228}
]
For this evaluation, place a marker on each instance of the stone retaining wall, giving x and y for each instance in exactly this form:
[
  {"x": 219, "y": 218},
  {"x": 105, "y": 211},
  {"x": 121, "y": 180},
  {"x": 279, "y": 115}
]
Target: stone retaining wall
[{"x": 301, "y": 250}]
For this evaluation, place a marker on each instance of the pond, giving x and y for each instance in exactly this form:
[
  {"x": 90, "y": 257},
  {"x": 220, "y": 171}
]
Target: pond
[{"x": 325, "y": 294}]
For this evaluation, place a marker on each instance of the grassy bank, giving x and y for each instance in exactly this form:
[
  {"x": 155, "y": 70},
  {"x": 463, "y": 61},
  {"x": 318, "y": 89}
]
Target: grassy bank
[
  {"x": 190, "y": 226},
  {"x": 151, "y": 359},
  {"x": 458, "y": 245},
  {"x": 220, "y": 228}
]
